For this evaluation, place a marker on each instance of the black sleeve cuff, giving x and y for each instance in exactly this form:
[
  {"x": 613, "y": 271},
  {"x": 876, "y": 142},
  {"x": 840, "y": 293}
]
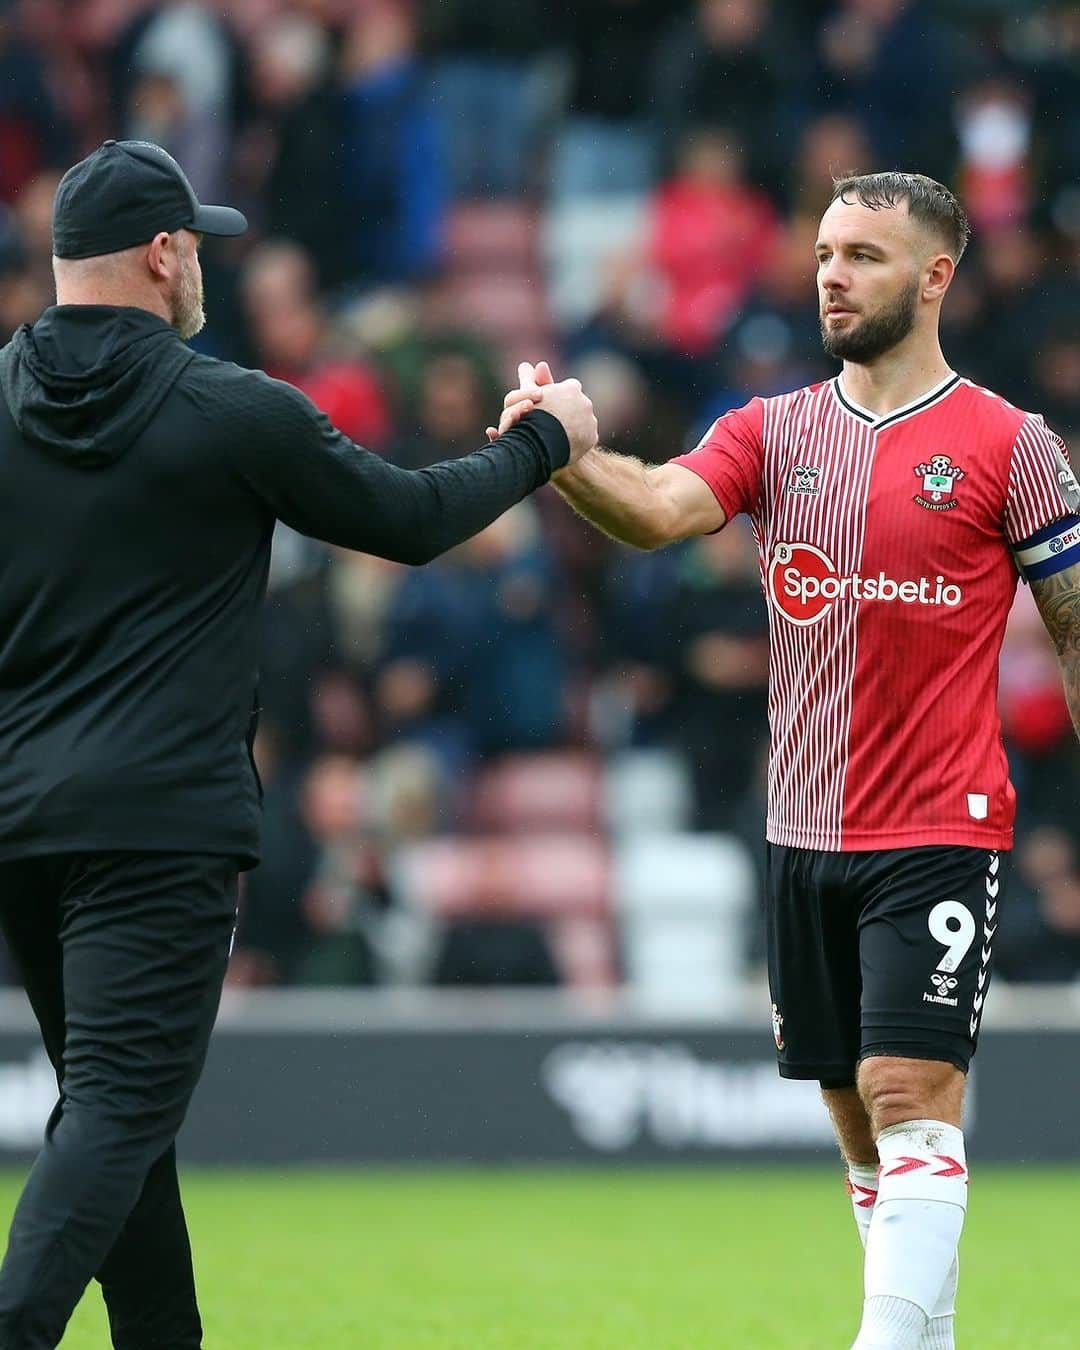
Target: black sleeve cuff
[{"x": 552, "y": 437}]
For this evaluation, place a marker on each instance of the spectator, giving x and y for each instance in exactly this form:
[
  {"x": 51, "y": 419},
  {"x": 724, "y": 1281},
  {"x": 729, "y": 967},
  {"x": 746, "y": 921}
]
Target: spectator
[
  {"x": 298, "y": 643},
  {"x": 1039, "y": 939},
  {"x": 424, "y": 663},
  {"x": 1055, "y": 377},
  {"x": 175, "y": 80},
  {"x": 728, "y": 64},
  {"x": 831, "y": 146},
  {"x": 272, "y": 937},
  {"x": 485, "y": 76},
  {"x": 455, "y": 395},
  {"x": 346, "y": 892},
  {"x": 995, "y": 134},
  {"x": 892, "y": 65},
  {"x": 774, "y": 343},
  {"x": 513, "y": 696},
  {"x": 472, "y": 663},
  {"x": 720, "y": 648},
  {"x": 608, "y": 140},
  {"x": 33, "y": 129},
  {"x": 296, "y": 146},
  {"x": 1035, "y": 718},
  {"x": 712, "y": 232},
  {"x": 632, "y": 701},
  {"x": 290, "y": 335},
  {"x": 395, "y": 188},
  {"x": 1013, "y": 264}
]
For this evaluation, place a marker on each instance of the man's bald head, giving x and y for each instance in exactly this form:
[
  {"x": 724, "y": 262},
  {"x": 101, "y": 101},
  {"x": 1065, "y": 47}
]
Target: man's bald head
[{"x": 162, "y": 276}]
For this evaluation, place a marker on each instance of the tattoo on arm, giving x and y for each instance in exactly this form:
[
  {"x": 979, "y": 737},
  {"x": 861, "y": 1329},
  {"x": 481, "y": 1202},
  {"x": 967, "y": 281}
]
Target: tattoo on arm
[{"x": 1058, "y": 599}]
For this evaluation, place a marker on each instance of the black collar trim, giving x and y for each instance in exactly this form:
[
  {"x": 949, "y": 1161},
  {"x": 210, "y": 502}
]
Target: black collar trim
[{"x": 909, "y": 410}]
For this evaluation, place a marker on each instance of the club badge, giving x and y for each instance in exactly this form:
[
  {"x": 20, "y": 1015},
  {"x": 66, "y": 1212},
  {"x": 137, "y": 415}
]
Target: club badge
[
  {"x": 777, "y": 1027},
  {"x": 938, "y": 476}
]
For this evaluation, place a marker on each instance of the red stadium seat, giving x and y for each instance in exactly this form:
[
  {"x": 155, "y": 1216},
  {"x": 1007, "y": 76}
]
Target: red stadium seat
[
  {"x": 485, "y": 235},
  {"x": 507, "y": 306},
  {"x": 548, "y": 790},
  {"x": 563, "y": 880}
]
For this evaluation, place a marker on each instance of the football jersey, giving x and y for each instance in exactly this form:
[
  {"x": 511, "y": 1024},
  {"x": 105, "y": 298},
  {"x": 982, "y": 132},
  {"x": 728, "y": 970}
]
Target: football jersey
[{"x": 887, "y": 550}]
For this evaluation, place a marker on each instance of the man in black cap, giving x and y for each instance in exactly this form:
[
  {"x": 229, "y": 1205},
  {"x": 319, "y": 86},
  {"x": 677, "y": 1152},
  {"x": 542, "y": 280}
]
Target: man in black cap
[{"x": 139, "y": 485}]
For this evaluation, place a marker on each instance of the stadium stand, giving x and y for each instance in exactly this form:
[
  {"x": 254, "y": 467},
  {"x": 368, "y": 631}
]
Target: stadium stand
[{"x": 542, "y": 728}]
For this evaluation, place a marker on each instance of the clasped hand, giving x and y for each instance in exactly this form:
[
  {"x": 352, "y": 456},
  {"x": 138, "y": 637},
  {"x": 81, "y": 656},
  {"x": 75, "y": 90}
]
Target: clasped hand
[{"x": 564, "y": 399}]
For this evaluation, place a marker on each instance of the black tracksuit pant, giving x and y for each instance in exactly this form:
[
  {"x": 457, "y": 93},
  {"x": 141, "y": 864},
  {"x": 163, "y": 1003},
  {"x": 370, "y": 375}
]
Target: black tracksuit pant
[{"x": 123, "y": 956}]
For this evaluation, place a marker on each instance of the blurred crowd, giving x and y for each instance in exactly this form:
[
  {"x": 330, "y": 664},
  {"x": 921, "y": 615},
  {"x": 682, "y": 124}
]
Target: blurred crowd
[{"x": 461, "y": 762}]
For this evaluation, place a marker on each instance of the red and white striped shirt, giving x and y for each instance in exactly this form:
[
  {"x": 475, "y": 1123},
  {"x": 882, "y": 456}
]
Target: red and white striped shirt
[{"x": 886, "y": 556}]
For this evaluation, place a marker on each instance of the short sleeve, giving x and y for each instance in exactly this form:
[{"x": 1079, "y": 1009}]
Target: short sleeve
[
  {"x": 1042, "y": 486},
  {"x": 730, "y": 458}
]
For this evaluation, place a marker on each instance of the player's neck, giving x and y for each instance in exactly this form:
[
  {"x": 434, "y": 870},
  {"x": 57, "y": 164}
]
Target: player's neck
[{"x": 895, "y": 379}]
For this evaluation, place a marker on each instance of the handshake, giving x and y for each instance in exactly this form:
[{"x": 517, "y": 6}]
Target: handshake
[{"x": 565, "y": 401}]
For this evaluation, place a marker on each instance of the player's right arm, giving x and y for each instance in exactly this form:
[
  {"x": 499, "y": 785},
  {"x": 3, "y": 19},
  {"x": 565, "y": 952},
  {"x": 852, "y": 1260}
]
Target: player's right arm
[
  {"x": 1058, "y": 599},
  {"x": 645, "y": 505},
  {"x": 649, "y": 506},
  {"x": 1042, "y": 524}
]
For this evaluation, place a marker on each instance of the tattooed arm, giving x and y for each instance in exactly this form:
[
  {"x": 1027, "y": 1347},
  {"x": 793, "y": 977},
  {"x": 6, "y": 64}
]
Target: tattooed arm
[{"x": 1058, "y": 598}]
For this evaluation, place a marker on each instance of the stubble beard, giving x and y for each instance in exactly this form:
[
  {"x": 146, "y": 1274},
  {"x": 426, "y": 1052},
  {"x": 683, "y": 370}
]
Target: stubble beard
[
  {"x": 188, "y": 316},
  {"x": 876, "y": 335}
]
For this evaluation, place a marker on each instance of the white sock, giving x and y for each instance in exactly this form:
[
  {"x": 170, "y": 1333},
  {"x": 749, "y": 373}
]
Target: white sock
[
  {"x": 890, "y": 1324},
  {"x": 863, "y": 1191},
  {"x": 940, "y": 1333},
  {"x": 914, "y": 1232},
  {"x": 862, "y": 1185}
]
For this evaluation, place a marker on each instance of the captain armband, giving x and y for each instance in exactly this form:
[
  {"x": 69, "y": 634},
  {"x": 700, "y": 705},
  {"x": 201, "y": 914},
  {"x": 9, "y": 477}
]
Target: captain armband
[{"x": 1049, "y": 550}]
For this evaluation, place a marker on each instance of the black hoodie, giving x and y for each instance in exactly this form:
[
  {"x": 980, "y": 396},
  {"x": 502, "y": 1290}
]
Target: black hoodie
[{"x": 139, "y": 484}]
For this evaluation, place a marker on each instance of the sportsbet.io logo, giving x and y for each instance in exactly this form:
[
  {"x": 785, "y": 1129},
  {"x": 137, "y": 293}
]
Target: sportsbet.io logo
[{"x": 804, "y": 586}]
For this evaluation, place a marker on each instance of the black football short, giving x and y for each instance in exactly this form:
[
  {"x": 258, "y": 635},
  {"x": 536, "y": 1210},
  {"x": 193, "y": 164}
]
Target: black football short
[{"x": 879, "y": 953}]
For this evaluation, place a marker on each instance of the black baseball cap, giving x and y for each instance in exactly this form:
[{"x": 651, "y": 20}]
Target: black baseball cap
[{"x": 125, "y": 193}]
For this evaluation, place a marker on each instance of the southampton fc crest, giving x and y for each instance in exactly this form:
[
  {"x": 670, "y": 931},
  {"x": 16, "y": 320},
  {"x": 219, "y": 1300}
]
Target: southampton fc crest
[
  {"x": 777, "y": 1027},
  {"x": 938, "y": 478}
]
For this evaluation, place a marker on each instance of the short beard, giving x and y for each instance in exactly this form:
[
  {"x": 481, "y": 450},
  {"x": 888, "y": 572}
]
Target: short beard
[
  {"x": 187, "y": 315},
  {"x": 875, "y": 336}
]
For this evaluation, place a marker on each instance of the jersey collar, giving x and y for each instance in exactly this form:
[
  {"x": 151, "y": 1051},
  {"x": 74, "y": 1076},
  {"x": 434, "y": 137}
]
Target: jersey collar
[{"x": 917, "y": 405}]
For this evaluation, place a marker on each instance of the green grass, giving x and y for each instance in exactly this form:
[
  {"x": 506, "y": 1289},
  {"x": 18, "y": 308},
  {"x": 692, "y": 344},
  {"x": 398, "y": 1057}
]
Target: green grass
[{"x": 587, "y": 1260}]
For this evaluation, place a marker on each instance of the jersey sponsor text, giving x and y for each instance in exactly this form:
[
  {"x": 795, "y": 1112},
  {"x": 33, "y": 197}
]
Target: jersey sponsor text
[{"x": 803, "y": 585}]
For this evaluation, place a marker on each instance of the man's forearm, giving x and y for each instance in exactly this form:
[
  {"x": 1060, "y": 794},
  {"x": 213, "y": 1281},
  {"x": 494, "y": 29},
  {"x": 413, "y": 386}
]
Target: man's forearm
[
  {"x": 1058, "y": 598},
  {"x": 1070, "y": 674},
  {"x": 1069, "y": 660},
  {"x": 613, "y": 492}
]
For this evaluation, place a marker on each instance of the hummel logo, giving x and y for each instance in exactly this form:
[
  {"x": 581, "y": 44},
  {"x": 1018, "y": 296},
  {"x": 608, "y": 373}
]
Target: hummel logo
[
  {"x": 804, "y": 480},
  {"x": 943, "y": 987}
]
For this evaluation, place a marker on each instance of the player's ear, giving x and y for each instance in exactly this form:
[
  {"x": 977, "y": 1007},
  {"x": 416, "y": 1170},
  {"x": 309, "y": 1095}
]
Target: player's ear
[
  {"x": 157, "y": 255},
  {"x": 938, "y": 276}
]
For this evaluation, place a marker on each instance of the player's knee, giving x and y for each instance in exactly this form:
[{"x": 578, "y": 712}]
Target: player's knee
[
  {"x": 895, "y": 1091},
  {"x": 851, "y": 1123},
  {"x": 892, "y": 1104}
]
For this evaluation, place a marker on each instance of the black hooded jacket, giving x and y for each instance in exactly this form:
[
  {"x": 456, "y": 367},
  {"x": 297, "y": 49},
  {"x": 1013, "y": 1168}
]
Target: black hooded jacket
[{"x": 139, "y": 485}]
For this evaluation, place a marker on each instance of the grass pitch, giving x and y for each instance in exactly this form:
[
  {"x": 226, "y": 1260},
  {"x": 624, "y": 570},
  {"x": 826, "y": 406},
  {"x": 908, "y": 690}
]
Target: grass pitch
[{"x": 586, "y": 1260}]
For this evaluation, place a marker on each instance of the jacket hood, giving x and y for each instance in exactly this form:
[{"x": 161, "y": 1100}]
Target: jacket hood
[{"x": 83, "y": 382}]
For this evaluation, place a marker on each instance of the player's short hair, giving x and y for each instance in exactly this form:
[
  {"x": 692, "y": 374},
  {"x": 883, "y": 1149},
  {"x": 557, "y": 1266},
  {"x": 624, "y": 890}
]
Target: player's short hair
[{"x": 928, "y": 201}]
